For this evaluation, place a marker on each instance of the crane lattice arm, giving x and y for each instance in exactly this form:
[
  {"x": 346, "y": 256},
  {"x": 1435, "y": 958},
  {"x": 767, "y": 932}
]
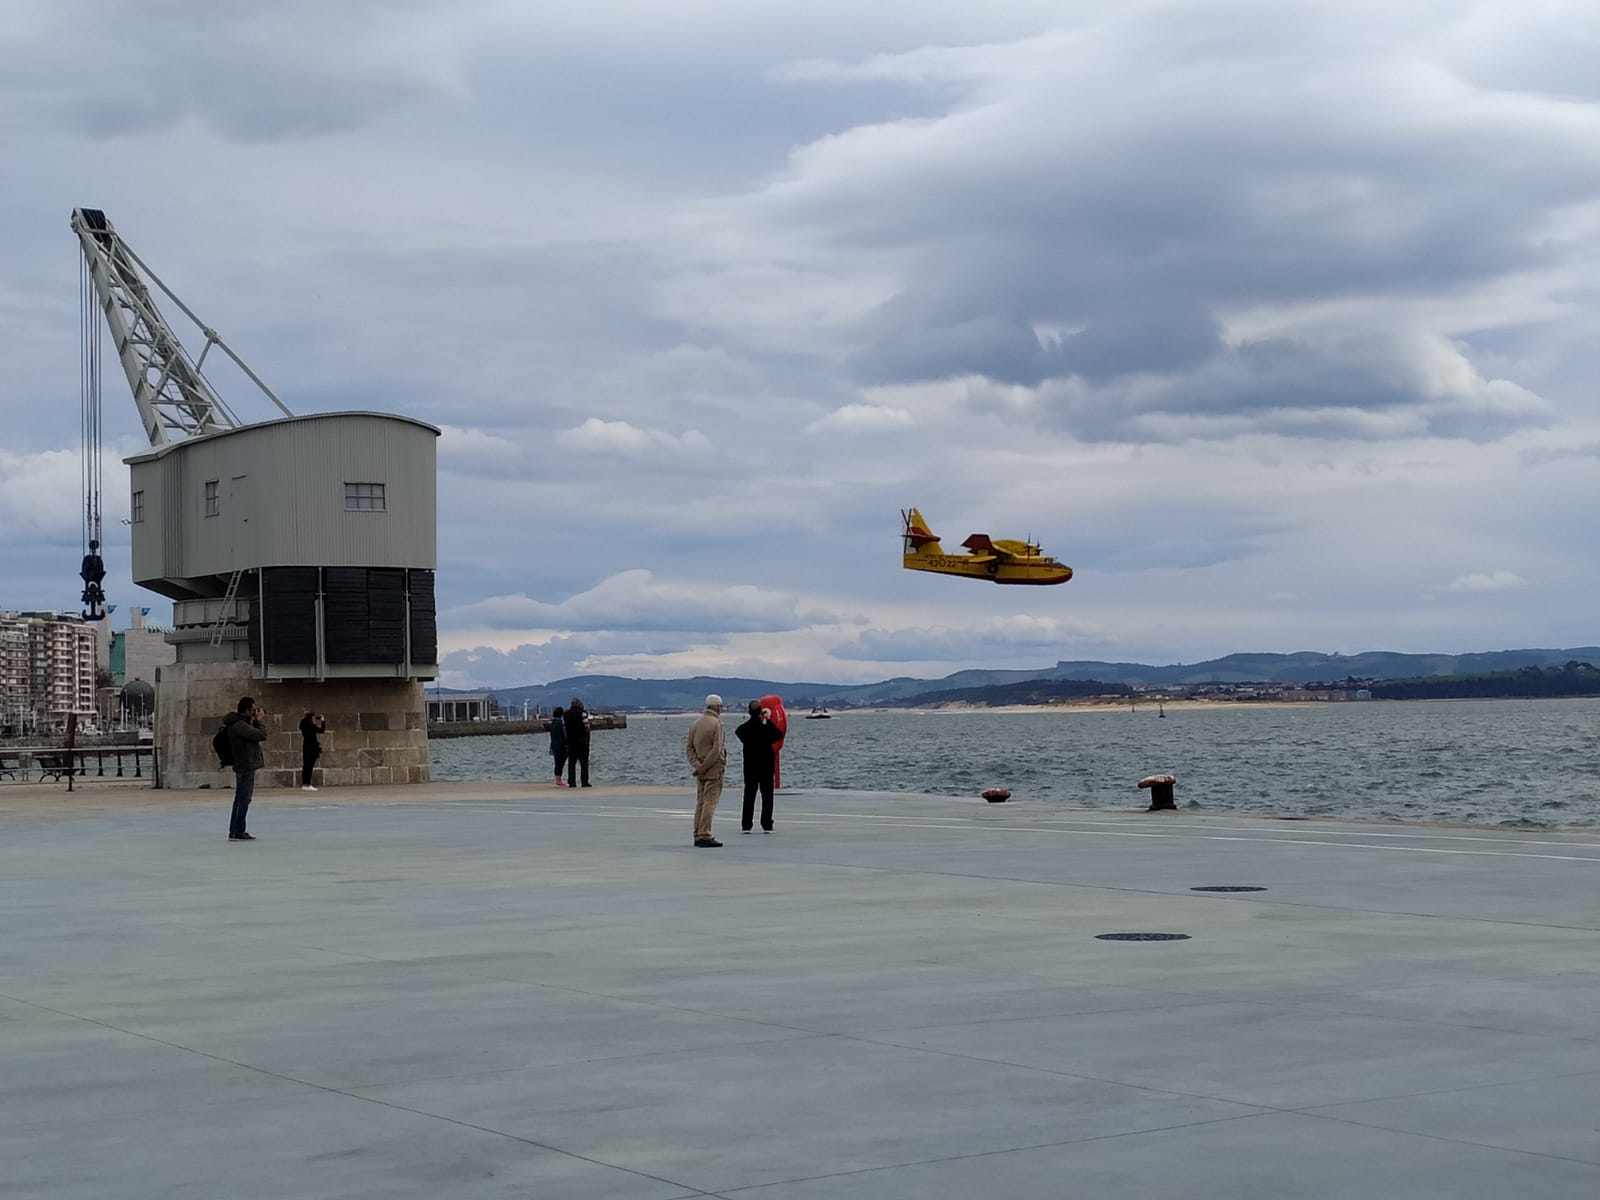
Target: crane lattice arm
[{"x": 173, "y": 397}]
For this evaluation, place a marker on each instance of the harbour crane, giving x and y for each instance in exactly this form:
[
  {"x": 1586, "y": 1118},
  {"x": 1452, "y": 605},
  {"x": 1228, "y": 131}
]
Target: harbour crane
[{"x": 299, "y": 551}]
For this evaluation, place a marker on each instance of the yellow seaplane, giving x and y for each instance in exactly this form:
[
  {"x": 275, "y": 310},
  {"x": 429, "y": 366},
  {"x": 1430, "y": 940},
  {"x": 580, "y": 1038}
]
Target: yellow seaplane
[{"x": 999, "y": 560}]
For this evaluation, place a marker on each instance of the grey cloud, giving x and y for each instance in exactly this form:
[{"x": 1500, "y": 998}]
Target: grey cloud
[
  {"x": 1363, "y": 387},
  {"x": 1140, "y": 220},
  {"x": 638, "y": 600},
  {"x": 1167, "y": 534},
  {"x": 1155, "y": 338},
  {"x": 1003, "y": 350},
  {"x": 997, "y": 640},
  {"x": 484, "y": 666},
  {"x": 1537, "y": 456},
  {"x": 252, "y": 73}
]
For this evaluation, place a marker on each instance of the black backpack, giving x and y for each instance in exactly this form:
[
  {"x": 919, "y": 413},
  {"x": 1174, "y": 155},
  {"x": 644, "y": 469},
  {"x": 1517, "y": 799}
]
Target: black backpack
[{"x": 223, "y": 745}]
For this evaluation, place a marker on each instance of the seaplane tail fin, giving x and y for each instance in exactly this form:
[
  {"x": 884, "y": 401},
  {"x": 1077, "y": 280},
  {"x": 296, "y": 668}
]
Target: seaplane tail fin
[{"x": 919, "y": 538}]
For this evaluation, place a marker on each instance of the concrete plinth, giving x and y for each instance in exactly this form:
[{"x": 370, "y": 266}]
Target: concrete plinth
[{"x": 377, "y": 731}]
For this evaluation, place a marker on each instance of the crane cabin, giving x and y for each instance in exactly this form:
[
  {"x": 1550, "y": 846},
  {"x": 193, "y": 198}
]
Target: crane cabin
[{"x": 306, "y": 544}]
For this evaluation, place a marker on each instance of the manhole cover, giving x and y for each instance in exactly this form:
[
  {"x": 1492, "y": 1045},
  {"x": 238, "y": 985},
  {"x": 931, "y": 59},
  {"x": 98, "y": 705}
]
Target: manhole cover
[
  {"x": 1226, "y": 888},
  {"x": 1142, "y": 937}
]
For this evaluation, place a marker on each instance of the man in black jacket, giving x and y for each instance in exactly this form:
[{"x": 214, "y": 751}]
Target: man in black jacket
[
  {"x": 577, "y": 721},
  {"x": 246, "y": 734},
  {"x": 758, "y": 736}
]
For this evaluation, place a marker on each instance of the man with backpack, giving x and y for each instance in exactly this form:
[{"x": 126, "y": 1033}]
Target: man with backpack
[{"x": 238, "y": 744}]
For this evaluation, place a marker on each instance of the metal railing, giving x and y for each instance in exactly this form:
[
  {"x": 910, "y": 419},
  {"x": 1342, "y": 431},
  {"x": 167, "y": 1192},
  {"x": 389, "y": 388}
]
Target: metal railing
[{"x": 44, "y": 764}]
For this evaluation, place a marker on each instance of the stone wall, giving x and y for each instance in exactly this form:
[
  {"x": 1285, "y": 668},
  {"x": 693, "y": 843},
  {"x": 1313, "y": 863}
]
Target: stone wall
[{"x": 377, "y": 732}]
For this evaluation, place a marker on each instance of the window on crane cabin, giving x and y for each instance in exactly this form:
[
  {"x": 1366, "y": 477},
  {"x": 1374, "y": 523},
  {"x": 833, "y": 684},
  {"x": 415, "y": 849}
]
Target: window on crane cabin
[
  {"x": 364, "y": 497},
  {"x": 137, "y": 513},
  {"x": 213, "y": 501}
]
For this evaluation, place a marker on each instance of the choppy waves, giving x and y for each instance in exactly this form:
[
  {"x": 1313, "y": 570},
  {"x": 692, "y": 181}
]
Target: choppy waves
[{"x": 1523, "y": 764}]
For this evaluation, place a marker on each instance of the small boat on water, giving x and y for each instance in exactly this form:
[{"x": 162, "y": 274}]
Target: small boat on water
[{"x": 819, "y": 713}]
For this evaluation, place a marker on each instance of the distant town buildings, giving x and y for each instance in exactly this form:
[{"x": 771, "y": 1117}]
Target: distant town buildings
[
  {"x": 1321, "y": 693},
  {"x": 462, "y": 706},
  {"x": 139, "y": 651},
  {"x": 47, "y": 670}
]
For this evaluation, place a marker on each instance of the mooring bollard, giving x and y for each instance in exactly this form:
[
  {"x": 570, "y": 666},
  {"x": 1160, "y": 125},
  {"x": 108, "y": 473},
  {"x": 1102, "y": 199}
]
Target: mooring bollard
[{"x": 1160, "y": 791}]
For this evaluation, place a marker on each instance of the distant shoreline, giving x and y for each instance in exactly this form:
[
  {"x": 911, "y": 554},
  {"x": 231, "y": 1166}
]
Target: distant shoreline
[
  {"x": 1109, "y": 706},
  {"x": 1090, "y": 706}
]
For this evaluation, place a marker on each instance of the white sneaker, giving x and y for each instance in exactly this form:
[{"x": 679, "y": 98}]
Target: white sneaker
[{"x": 308, "y": 788}]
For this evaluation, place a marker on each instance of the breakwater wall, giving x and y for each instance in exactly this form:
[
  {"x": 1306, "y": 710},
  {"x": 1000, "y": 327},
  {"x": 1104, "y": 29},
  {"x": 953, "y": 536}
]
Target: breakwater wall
[{"x": 455, "y": 729}]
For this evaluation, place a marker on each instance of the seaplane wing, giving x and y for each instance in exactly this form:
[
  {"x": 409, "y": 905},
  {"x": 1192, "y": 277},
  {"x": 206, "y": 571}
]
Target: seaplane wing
[{"x": 999, "y": 560}]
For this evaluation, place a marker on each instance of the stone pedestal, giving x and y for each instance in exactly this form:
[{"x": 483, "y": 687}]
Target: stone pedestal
[{"x": 377, "y": 728}]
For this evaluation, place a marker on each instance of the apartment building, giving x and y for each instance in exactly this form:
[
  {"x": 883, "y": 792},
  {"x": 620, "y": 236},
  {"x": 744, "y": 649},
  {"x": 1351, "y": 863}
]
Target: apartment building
[{"x": 47, "y": 670}]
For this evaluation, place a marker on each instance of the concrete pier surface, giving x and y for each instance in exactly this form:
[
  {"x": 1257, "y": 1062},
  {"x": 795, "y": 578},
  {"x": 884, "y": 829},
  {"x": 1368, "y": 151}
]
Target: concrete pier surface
[{"x": 471, "y": 991}]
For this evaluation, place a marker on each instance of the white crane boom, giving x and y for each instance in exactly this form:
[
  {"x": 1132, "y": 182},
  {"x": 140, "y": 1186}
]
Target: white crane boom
[{"x": 173, "y": 397}]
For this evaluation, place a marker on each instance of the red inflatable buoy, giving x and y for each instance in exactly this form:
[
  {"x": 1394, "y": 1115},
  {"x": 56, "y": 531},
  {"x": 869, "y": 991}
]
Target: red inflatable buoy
[{"x": 781, "y": 720}]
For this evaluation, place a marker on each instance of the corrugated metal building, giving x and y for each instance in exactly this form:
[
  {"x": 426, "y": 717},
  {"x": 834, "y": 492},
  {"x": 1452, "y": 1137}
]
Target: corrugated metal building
[
  {"x": 329, "y": 489},
  {"x": 312, "y": 540}
]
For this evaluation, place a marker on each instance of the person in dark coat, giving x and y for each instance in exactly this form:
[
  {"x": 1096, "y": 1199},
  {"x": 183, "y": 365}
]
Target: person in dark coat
[
  {"x": 758, "y": 735},
  {"x": 246, "y": 734},
  {"x": 311, "y": 725},
  {"x": 577, "y": 723},
  {"x": 558, "y": 742}
]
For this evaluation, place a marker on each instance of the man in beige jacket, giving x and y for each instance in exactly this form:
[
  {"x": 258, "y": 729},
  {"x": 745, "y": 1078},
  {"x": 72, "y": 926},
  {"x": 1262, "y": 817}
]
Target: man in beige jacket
[{"x": 708, "y": 759}]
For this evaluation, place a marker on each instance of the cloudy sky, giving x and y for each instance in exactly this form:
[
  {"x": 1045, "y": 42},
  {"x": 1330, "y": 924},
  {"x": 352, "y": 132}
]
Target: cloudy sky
[{"x": 1277, "y": 322}]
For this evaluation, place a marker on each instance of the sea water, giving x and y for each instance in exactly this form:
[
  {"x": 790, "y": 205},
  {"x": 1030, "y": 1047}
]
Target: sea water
[{"x": 1523, "y": 763}]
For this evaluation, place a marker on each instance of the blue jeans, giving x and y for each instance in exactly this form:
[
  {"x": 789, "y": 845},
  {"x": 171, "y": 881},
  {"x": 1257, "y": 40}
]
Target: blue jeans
[{"x": 244, "y": 786}]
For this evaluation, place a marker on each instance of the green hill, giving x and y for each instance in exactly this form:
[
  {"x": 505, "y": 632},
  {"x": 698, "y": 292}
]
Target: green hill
[{"x": 620, "y": 693}]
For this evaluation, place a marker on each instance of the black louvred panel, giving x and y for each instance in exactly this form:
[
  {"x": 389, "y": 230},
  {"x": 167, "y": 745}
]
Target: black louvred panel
[
  {"x": 344, "y": 614},
  {"x": 289, "y": 614},
  {"x": 424, "y": 619},
  {"x": 386, "y": 615}
]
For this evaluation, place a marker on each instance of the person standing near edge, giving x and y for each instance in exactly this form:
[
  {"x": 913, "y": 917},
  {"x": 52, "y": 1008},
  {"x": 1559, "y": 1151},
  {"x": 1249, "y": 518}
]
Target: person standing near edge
[
  {"x": 558, "y": 742},
  {"x": 758, "y": 735},
  {"x": 577, "y": 722},
  {"x": 311, "y": 725},
  {"x": 708, "y": 759},
  {"x": 246, "y": 733}
]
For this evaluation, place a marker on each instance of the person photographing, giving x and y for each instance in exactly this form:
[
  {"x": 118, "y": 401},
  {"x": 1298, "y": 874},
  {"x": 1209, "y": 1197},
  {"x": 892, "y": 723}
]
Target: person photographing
[
  {"x": 312, "y": 727},
  {"x": 759, "y": 737},
  {"x": 246, "y": 732}
]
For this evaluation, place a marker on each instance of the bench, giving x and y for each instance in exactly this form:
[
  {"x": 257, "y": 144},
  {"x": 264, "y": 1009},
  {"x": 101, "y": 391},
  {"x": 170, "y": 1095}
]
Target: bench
[{"x": 57, "y": 767}]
